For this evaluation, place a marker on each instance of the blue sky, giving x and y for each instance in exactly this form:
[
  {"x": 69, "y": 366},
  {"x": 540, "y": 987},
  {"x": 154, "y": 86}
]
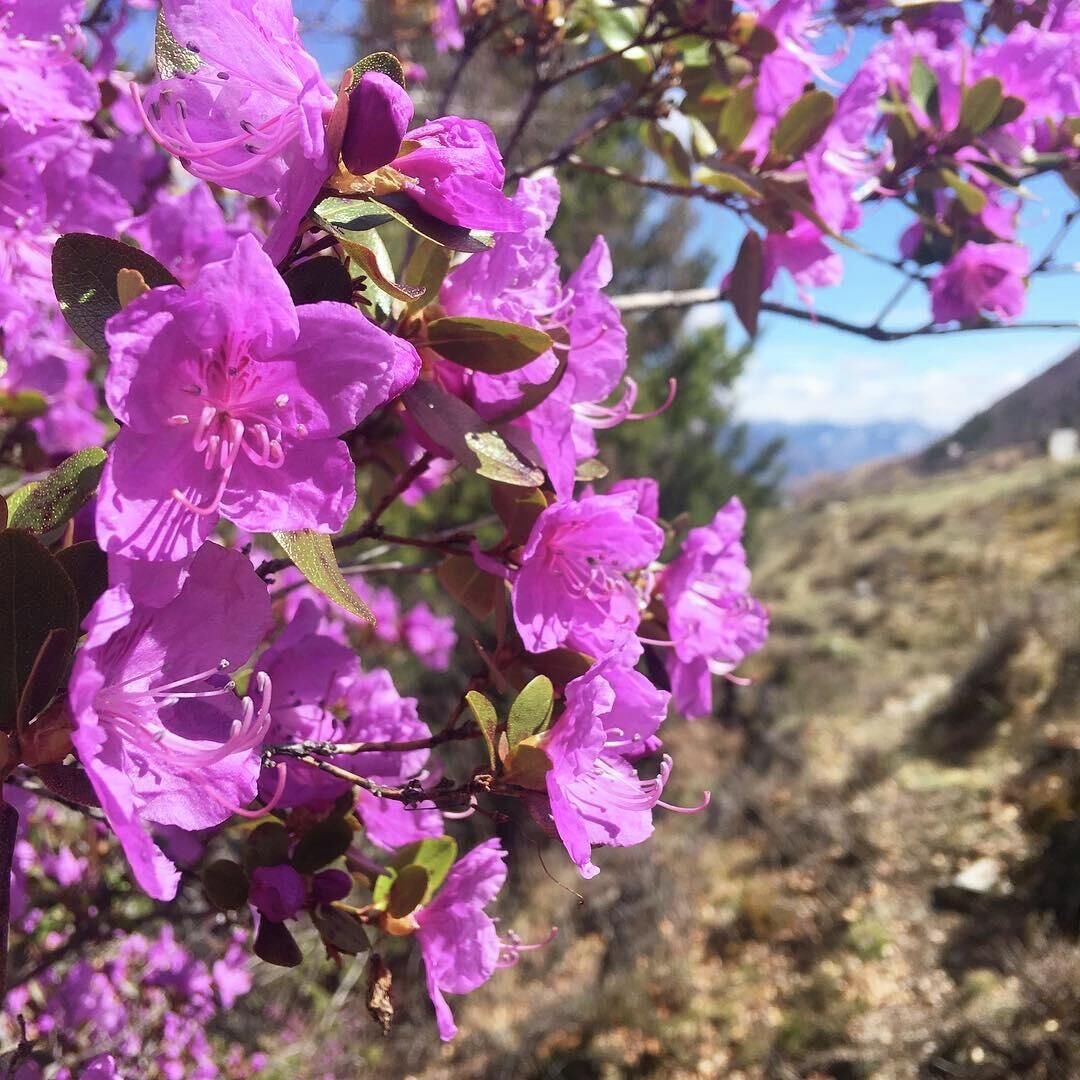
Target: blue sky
[{"x": 805, "y": 372}]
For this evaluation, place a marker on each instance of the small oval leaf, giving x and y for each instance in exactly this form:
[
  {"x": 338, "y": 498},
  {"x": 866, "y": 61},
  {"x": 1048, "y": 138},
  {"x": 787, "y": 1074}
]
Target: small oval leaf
[
  {"x": 313, "y": 555},
  {"x": 487, "y": 345},
  {"x": 531, "y": 712},
  {"x": 84, "y": 275},
  {"x": 62, "y": 493},
  {"x": 408, "y": 891}
]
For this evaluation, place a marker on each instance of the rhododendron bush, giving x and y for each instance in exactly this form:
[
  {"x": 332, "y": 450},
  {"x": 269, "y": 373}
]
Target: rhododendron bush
[{"x": 261, "y": 328}]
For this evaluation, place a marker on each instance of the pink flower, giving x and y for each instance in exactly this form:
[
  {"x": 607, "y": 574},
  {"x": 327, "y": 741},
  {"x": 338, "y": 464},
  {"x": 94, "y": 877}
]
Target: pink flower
[
  {"x": 803, "y": 253},
  {"x": 430, "y": 637},
  {"x": 594, "y": 794},
  {"x": 459, "y": 174},
  {"x": 158, "y": 727},
  {"x": 232, "y": 400},
  {"x": 713, "y": 622},
  {"x": 981, "y": 279},
  {"x": 249, "y": 112},
  {"x": 458, "y": 939},
  {"x": 322, "y": 695},
  {"x": 572, "y": 588},
  {"x": 518, "y": 280},
  {"x": 185, "y": 232}
]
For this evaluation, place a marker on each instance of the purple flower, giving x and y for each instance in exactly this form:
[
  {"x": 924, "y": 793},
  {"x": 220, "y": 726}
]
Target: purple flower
[
  {"x": 185, "y": 232},
  {"x": 803, "y": 253},
  {"x": 518, "y": 281},
  {"x": 981, "y": 279},
  {"x": 322, "y": 695},
  {"x": 595, "y": 796},
  {"x": 41, "y": 79},
  {"x": 446, "y": 26},
  {"x": 430, "y": 637},
  {"x": 252, "y": 113},
  {"x": 277, "y": 892},
  {"x": 458, "y": 939},
  {"x": 713, "y": 622},
  {"x": 158, "y": 728},
  {"x": 380, "y": 112},
  {"x": 232, "y": 400},
  {"x": 572, "y": 587},
  {"x": 459, "y": 173},
  {"x": 41, "y": 358}
]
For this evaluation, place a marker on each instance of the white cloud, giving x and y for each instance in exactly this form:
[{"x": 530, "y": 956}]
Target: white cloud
[{"x": 940, "y": 390}]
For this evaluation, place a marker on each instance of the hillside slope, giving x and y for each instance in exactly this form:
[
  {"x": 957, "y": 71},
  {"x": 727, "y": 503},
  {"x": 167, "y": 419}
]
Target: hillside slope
[
  {"x": 887, "y": 882},
  {"x": 1023, "y": 418}
]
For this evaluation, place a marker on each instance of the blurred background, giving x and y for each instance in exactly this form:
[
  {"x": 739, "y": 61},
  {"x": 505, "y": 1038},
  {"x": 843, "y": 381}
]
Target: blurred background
[{"x": 887, "y": 881}]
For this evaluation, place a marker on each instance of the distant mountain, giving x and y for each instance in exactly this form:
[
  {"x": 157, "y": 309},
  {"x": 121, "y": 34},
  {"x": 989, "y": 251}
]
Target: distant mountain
[
  {"x": 1025, "y": 418},
  {"x": 814, "y": 447}
]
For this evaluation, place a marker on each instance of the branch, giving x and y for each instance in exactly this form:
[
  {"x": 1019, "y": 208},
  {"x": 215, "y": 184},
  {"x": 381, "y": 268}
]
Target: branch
[
  {"x": 9, "y": 825},
  {"x": 330, "y": 749},
  {"x": 682, "y": 298}
]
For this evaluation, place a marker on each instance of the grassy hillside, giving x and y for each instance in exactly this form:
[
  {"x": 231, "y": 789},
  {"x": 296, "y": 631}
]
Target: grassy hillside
[{"x": 887, "y": 883}]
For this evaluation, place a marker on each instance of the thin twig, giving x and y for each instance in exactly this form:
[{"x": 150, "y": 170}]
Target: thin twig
[{"x": 681, "y": 298}]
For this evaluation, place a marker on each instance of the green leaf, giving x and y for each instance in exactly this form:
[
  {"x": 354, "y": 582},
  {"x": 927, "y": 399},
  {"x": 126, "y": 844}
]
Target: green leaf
[
  {"x": 313, "y": 555},
  {"x": 528, "y": 766},
  {"x": 436, "y": 855},
  {"x": 324, "y": 842},
  {"x": 169, "y": 55},
  {"x": 368, "y": 260},
  {"x": 226, "y": 885},
  {"x": 23, "y": 404},
  {"x": 62, "y": 493},
  {"x": 518, "y": 508},
  {"x": 533, "y": 394},
  {"x": 403, "y": 208},
  {"x": 88, "y": 567},
  {"x": 747, "y": 282},
  {"x": 500, "y": 461},
  {"x": 488, "y": 345},
  {"x": 737, "y": 118},
  {"x": 475, "y": 589},
  {"x": 322, "y": 278},
  {"x": 924, "y": 90},
  {"x": 561, "y": 665},
  {"x": 275, "y": 945},
  {"x": 729, "y": 180},
  {"x": 340, "y": 929},
  {"x": 459, "y": 430},
  {"x": 1012, "y": 108},
  {"x": 19, "y": 496},
  {"x": 407, "y": 891},
  {"x": 802, "y": 125},
  {"x": 531, "y": 712},
  {"x": 980, "y": 105},
  {"x": 36, "y": 597},
  {"x": 349, "y": 215},
  {"x": 427, "y": 268},
  {"x": 971, "y": 198},
  {"x": 487, "y": 720},
  {"x": 589, "y": 470},
  {"x": 41, "y": 686},
  {"x": 383, "y": 62},
  {"x": 267, "y": 845},
  {"x": 84, "y": 269},
  {"x": 617, "y": 27}
]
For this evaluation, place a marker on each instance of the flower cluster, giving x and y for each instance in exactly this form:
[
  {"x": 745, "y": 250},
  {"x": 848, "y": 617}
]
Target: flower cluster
[
  {"x": 253, "y": 388},
  {"x": 277, "y": 419}
]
